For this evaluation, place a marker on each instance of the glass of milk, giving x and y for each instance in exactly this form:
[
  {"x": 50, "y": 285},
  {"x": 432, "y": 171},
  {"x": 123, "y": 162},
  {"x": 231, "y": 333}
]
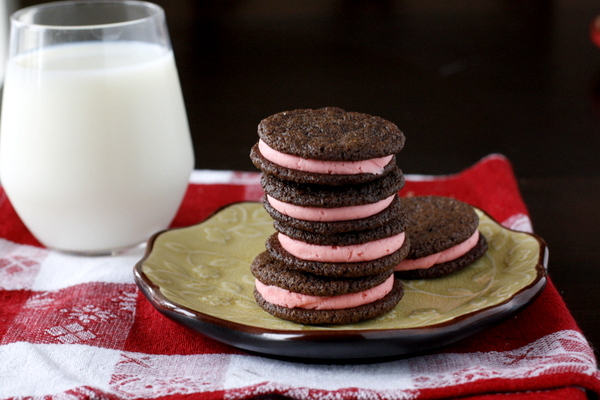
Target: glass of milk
[{"x": 95, "y": 149}]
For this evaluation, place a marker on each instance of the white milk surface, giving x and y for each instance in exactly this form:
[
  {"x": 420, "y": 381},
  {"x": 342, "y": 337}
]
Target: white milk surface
[{"x": 95, "y": 150}]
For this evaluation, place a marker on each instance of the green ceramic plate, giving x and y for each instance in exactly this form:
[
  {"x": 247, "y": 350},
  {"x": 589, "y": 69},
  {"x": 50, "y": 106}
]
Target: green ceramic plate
[{"x": 200, "y": 276}]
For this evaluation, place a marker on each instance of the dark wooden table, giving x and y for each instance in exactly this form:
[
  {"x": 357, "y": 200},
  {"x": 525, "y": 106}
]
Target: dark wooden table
[{"x": 462, "y": 79}]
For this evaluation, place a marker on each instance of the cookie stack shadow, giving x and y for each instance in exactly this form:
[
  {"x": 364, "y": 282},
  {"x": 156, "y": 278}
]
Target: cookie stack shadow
[{"x": 339, "y": 233}]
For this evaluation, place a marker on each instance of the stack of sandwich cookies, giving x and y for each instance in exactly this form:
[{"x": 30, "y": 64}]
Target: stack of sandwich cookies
[
  {"x": 331, "y": 185},
  {"x": 444, "y": 237}
]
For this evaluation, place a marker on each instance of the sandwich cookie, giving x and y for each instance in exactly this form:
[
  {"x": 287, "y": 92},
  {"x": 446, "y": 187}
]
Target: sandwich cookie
[
  {"x": 327, "y": 209},
  {"x": 392, "y": 231},
  {"x": 327, "y": 196},
  {"x": 327, "y": 221},
  {"x": 444, "y": 237},
  {"x": 340, "y": 309},
  {"x": 328, "y": 146},
  {"x": 323, "y": 267},
  {"x": 272, "y": 272}
]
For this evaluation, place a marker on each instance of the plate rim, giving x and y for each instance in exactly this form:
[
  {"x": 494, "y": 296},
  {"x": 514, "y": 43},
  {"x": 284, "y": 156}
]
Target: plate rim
[{"x": 500, "y": 311}]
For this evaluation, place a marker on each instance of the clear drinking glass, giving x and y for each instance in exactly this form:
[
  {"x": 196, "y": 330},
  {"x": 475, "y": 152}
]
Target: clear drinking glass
[{"x": 95, "y": 149}]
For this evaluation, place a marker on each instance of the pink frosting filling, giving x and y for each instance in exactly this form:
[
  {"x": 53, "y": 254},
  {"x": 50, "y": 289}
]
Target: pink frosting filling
[
  {"x": 353, "y": 253},
  {"x": 330, "y": 214},
  {"x": 438, "y": 258},
  {"x": 285, "y": 298},
  {"x": 372, "y": 166}
]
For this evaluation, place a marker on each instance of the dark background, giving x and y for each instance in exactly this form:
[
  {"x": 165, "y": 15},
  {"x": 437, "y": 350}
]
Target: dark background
[{"x": 462, "y": 79}]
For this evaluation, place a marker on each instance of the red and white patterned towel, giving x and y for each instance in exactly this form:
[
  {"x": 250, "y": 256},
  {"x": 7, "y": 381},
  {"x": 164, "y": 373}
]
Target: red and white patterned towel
[{"x": 78, "y": 328}]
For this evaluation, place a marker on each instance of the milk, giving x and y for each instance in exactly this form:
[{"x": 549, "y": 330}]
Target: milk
[{"x": 95, "y": 150}]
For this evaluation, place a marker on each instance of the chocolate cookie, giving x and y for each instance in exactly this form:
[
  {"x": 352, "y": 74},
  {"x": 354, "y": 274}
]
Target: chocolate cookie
[
  {"x": 328, "y": 228},
  {"x": 331, "y": 134},
  {"x": 349, "y": 269},
  {"x": 308, "y": 195},
  {"x": 436, "y": 223},
  {"x": 345, "y": 316},
  {"x": 391, "y": 228},
  {"x": 273, "y": 272}
]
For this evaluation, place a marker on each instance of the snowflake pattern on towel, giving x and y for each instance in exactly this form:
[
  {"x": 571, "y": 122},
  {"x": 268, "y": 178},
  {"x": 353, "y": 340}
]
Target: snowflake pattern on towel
[
  {"x": 19, "y": 265},
  {"x": 98, "y": 314}
]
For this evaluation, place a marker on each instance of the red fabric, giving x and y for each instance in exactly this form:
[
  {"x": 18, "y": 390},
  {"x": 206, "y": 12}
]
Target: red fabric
[
  {"x": 496, "y": 191},
  {"x": 558, "y": 394},
  {"x": 106, "y": 322}
]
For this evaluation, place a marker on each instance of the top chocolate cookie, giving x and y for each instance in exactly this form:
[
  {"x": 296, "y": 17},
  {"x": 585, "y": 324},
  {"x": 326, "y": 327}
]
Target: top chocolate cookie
[{"x": 331, "y": 134}]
